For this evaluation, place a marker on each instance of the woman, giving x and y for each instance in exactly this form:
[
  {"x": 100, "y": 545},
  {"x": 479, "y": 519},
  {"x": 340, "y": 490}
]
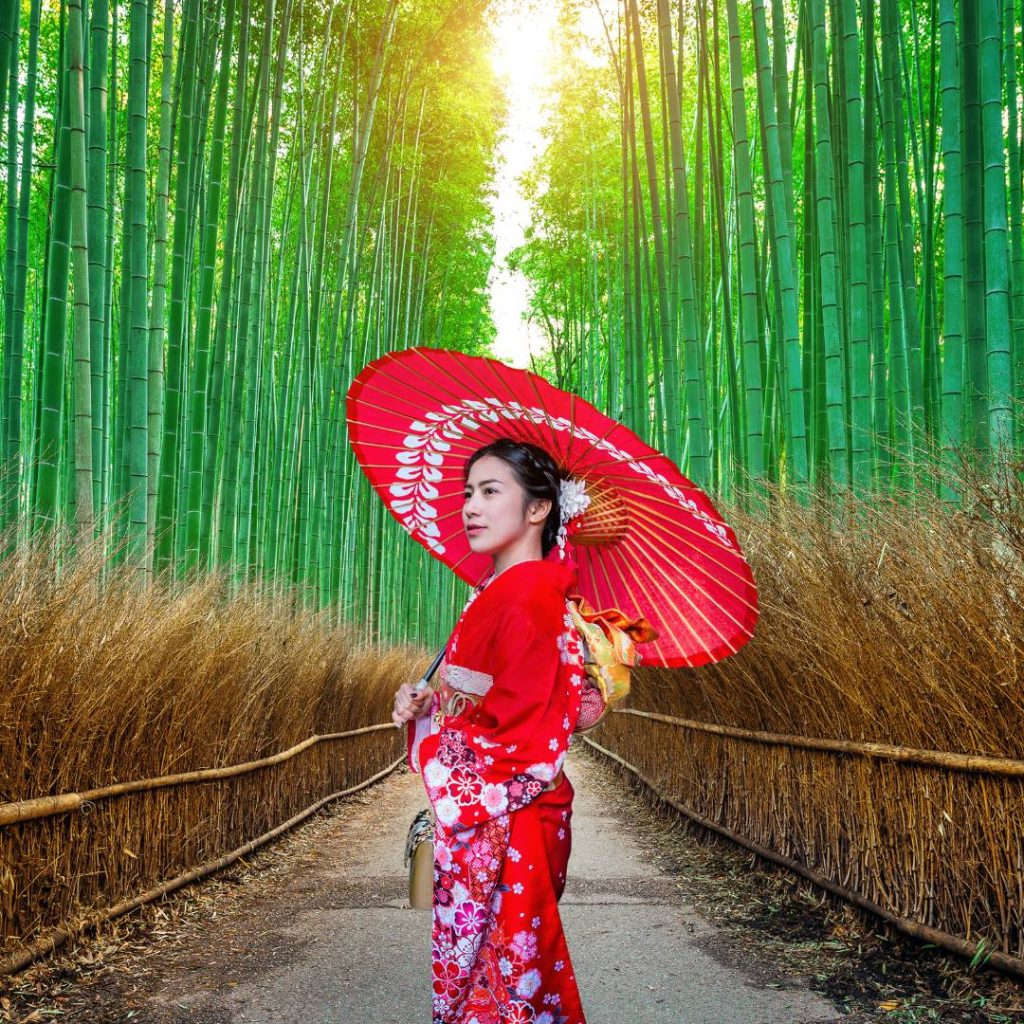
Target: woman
[{"x": 491, "y": 745}]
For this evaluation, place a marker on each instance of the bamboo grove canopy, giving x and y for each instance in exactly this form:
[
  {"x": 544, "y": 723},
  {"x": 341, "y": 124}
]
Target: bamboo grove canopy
[
  {"x": 781, "y": 240},
  {"x": 784, "y": 238}
]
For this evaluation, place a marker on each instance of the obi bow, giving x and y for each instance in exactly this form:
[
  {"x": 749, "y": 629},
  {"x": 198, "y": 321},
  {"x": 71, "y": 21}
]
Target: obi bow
[{"x": 610, "y": 640}]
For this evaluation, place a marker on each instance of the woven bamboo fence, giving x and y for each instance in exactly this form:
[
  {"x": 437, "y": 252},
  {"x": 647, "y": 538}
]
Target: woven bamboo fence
[
  {"x": 65, "y": 860},
  {"x": 151, "y": 734},
  {"x": 932, "y": 841},
  {"x": 118, "y": 840},
  {"x": 870, "y": 735}
]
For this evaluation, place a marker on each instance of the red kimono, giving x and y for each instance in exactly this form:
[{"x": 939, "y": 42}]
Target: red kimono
[{"x": 491, "y": 752}]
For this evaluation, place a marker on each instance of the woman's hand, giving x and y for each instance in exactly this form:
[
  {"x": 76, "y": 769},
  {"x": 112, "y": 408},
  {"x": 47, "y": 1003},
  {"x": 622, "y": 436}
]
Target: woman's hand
[{"x": 410, "y": 704}]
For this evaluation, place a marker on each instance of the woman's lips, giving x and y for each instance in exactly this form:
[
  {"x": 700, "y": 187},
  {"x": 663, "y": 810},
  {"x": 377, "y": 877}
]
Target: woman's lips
[{"x": 475, "y": 529}]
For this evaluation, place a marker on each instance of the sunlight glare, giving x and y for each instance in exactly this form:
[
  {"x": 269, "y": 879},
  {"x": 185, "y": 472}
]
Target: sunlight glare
[{"x": 521, "y": 57}]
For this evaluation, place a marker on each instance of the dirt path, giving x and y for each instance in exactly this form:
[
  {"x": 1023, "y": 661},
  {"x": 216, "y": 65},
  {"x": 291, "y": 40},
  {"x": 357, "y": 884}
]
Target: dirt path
[
  {"x": 317, "y": 930},
  {"x": 336, "y": 941}
]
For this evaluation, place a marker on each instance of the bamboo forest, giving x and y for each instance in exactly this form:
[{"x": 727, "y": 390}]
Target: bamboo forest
[
  {"x": 770, "y": 251},
  {"x": 780, "y": 241}
]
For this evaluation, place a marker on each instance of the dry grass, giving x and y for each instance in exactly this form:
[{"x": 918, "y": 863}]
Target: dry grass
[
  {"x": 892, "y": 622},
  {"x": 107, "y": 682}
]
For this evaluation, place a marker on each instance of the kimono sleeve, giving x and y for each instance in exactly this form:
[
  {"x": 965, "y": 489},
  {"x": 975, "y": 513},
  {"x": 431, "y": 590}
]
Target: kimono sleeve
[
  {"x": 499, "y": 757},
  {"x": 418, "y": 729}
]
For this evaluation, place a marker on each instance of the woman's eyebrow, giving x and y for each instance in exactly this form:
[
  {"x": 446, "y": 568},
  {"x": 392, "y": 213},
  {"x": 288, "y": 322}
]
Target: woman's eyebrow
[{"x": 482, "y": 482}]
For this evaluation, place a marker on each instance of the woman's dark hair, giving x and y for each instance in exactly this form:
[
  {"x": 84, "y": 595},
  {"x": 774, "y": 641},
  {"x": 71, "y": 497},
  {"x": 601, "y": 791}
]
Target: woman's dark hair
[{"x": 537, "y": 474}]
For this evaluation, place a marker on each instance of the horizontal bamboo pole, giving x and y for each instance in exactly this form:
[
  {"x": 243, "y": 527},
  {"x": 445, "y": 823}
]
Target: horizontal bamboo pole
[
  {"x": 913, "y": 755},
  {"x": 951, "y": 943},
  {"x": 47, "y": 806},
  {"x": 21, "y": 959}
]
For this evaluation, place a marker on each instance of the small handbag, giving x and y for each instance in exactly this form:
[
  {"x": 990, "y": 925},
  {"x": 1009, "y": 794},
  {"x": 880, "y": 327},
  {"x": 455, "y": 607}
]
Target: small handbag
[{"x": 419, "y": 856}]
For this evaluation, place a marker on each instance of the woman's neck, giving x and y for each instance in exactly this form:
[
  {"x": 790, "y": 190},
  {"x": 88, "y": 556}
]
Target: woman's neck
[
  {"x": 526, "y": 548},
  {"x": 497, "y": 569}
]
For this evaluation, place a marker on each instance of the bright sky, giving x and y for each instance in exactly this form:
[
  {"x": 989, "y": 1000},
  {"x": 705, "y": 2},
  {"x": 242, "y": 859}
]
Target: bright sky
[{"x": 522, "y": 57}]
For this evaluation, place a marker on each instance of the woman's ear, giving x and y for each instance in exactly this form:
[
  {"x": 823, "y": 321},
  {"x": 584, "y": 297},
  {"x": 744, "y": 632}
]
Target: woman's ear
[{"x": 540, "y": 510}]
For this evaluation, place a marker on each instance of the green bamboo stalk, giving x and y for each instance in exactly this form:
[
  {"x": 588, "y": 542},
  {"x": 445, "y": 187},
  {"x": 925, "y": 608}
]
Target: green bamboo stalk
[
  {"x": 244, "y": 384},
  {"x": 833, "y": 337},
  {"x": 876, "y": 294},
  {"x": 892, "y": 83},
  {"x": 50, "y": 390},
  {"x": 158, "y": 311},
  {"x": 108, "y": 464},
  {"x": 9, "y": 75},
  {"x": 792, "y": 400},
  {"x": 997, "y": 285},
  {"x": 1016, "y": 202},
  {"x": 679, "y": 218},
  {"x": 664, "y": 323},
  {"x": 199, "y": 440},
  {"x": 929, "y": 122},
  {"x": 79, "y": 241},
  {"x": 15, "y": 341},
  {"x": 953, "y": 253},
  {"x": 9, "y": 18},
  {"x": 726, "y": 362},
  {"x": 976, "y": 370},
  {"x": 782, "y": 108},
  {"x": 240, "y": 121},
  {"x": 856, "y": 233},
  {"x": 257, "y": 349},
  {"x": 899, "y": 398},
  {"x": 628, "y": 298},
  {"x": 753, "y": 382},
  {"x": 99, "y": 253},
  {"x": 169, "y": 474},
  {"x": 136, "y": 359}
]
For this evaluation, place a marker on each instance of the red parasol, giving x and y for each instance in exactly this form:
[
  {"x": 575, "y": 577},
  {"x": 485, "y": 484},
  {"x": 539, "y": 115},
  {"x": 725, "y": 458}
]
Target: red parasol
[{"x": 650, "y": 543}]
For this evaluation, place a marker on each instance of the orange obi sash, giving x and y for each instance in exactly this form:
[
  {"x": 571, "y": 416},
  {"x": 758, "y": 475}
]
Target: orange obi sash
[{"x": 610, "y": 639}]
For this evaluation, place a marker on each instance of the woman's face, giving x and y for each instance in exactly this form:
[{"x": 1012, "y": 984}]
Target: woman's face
[{"x": 492, "y": 510}]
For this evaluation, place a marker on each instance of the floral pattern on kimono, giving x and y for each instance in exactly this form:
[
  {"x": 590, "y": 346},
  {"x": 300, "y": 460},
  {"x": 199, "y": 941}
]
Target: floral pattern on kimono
[{"x": 501, "y": 838}]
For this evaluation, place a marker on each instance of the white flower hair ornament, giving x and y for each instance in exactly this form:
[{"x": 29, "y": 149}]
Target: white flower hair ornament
[{"x": 572, "y": 501}]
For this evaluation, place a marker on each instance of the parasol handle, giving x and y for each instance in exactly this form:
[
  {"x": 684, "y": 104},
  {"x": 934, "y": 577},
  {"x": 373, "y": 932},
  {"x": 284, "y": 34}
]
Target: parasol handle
[{"x": 424, "y": 680}]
